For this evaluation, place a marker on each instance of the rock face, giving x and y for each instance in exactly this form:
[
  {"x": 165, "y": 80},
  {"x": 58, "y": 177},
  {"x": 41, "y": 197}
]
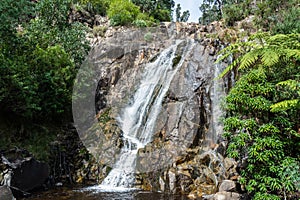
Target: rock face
[{"x": 186, "y": 154}]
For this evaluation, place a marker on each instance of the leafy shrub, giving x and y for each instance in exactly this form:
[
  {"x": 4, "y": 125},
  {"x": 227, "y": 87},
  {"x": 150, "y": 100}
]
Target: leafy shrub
[
  {"x": 290, "y": 22},
  {"x": 162, "y": 15},
  {"x": 232, "y": 13},
  {"x": 140, "y": 23},
  {"x": 36, "y": 77},
  {"x": 96, "y": 6},
  {"x": 99, "y": 30},
  {"x": 148, "y": 37},
  {"x": 122, "y": 12}
]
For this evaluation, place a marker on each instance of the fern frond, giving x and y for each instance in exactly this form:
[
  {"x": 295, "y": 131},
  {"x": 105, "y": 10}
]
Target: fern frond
[
  {"x": 293, "y": 53},
  {"x": 250, "y": 58},
  {"x": 285, "y": 105},
  {"x": 223, "y": 57},
  {"x": 292, "y": 84},
  {"x": 261, "y": 36},
  {"x": 269, "y": 57},
  {"x": 229, "y": 68}
]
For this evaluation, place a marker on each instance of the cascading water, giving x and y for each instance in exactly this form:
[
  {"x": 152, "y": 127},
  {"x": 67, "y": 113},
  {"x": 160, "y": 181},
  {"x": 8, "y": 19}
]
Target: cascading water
[
  {"x": 217, "y": 93},
  {"x": 137, "y": 119}
]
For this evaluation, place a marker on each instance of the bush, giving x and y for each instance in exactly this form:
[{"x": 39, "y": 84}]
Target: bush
[
  {"x": 122, "y": 12},
  {"x": 232, "y": 13},
  {"x": 96, "y": 6},
  {"x": 140, "y": 23},
  {"x": 144, "y": 20},
  {"x": 162, "y": 15},
  {"x": 290, "y": 22},
  {"x": 99, "y": 30}
]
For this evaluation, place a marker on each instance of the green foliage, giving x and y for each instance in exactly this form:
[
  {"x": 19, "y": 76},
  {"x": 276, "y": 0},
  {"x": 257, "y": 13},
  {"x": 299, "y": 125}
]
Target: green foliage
[
  {"x": 278, "y": 16},
  {"x": 54, "y": 12},
  {"x": 122, "y": 12},
  {"x": 148, "y": 37},
  {"x": 96, "y": 6},
  {"x": 99, "y": 30},
  {"x": 159, "y": 10},
  {"x": 289, "y": 23},
  {"x": 263, "y": 114},
  {"x": 12, "y": 14},
  {"x": 37, "y": 69},
  {"x": 71, "y": 36},
  {"x": 211, "y": 11},
  {"x": 144, "y": 20},
  {"x": 233, "y": 13}
]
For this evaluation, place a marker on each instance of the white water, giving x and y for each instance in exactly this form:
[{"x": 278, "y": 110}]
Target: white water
[
  {"x": 137, "y": 119},
  {"x": 217, "y": 93}
]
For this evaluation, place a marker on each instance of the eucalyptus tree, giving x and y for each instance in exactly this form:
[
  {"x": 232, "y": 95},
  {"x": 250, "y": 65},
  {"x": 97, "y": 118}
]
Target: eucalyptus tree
[{"x": 184, "y": 17}]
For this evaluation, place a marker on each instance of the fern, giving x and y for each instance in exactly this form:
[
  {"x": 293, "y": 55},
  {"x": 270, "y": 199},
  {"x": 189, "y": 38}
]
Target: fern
[
  {"x": 250, "y": 58},
  {"x": 269, "y": 50},
  {"x": 292, "y": 84},
  {"x": 285, "y": 105},
  {"x": 229, "y": 68}
]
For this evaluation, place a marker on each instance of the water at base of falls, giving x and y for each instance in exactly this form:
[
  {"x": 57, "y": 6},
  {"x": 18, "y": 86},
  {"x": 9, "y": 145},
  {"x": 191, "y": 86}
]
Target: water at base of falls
[{"x": 137, "y": 119}]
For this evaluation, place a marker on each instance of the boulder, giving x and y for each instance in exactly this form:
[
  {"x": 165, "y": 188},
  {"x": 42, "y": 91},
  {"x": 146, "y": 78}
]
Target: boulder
[
  {"x": 226, "y": 196},
  {"x": 5, "y": 193},
  {"x": 227, "y": 186},
  {"x": 23, "y": 173},
  {"x": 30, "y": 175}
]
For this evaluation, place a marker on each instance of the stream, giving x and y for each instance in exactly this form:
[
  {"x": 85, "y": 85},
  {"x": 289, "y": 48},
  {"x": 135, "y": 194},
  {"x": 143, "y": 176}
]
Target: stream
[{"x": 84, "y": 194}]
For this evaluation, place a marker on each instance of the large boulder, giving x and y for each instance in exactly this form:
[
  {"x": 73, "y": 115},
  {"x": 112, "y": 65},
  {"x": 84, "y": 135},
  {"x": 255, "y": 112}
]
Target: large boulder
[{"x": 23, "y": 173}]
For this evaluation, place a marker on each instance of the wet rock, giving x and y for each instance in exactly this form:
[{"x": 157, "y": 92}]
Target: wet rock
[
  {"x": 226, "y": 196},
  {"x": 23, "y": 173},
  {"x": 227, "y": 186},
  {"x": 172, "y": 181},
  {"x": 5, "y": 193},
  {"x": 162, "y": 184},
  {"x": 29, "y": 175}
]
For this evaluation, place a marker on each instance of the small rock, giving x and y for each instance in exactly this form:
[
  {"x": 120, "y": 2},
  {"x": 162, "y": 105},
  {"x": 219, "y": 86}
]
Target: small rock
[
  {"x": 226, "y": 196},
  {"x": 172, "y": 181},
  {"x": 229, "y": 163},
  {"x": 59, "y": 184},
  {"x": 227, "y": 185}
]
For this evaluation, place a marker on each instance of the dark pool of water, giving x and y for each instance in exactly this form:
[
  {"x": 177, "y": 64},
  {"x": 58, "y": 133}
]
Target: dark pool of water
[{"x": 79, "y": 194}]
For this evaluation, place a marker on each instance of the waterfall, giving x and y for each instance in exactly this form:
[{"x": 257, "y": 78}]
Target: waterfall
[
  {"x": 137, "y": 119},
  {"x": 217, "y": 93}
]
